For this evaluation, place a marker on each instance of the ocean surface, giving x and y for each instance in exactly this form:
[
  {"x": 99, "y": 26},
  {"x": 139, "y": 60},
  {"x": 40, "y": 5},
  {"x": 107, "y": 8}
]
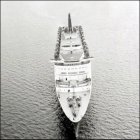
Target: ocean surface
[{"x": 29, "y": 106}]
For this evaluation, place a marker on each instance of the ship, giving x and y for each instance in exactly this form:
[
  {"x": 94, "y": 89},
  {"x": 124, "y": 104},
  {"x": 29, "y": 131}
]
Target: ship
[{"x": 72, "y": 71}]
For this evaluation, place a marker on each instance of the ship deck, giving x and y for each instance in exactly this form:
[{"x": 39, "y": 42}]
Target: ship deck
[
  {"x": 71, "y": 46},
  {"x": 71, "y": 55},
  {"x": 79, "y": 111},
  {"x": 72, "y": 71}
]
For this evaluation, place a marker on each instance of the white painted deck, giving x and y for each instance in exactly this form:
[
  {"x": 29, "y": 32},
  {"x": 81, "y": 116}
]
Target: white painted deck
[
  {"x": 73, "y": 81},
  {"x": 80, "y": 111}
]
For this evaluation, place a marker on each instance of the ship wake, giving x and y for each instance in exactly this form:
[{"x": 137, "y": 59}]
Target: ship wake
[{"x": 77, "y": 130}]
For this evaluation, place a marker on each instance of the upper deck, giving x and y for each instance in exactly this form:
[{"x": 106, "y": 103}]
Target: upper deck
[{"x": 71, "y": 45}]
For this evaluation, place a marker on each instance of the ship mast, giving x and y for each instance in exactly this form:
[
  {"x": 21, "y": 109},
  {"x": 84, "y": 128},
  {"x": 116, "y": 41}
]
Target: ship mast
[
  {"x": 70, "y": 29},
  {"x": 69, "y": 23}
]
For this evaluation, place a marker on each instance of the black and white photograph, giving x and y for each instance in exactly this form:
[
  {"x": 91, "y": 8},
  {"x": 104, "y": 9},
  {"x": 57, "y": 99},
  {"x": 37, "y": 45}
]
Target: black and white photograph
[{"x": 70, "y": 70}]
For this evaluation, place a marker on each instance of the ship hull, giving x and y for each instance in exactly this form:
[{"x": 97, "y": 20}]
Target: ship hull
[{"x": 72, "y": 67}]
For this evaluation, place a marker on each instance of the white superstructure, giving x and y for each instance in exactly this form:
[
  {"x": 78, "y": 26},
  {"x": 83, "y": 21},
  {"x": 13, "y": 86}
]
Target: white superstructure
[{"x": 72, "y": 68}]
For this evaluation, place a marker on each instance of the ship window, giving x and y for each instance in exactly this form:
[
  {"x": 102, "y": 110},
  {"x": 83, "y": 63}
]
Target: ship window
[
  {"x": 66, "y": 46},
  {"x": 81, "y": 71},
  {"x": 75, "y": 45},
  {"x": 63, "y": 72}
]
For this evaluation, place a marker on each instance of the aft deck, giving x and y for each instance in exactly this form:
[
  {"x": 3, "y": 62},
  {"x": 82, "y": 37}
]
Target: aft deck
[{"x": 72, "y": 55}]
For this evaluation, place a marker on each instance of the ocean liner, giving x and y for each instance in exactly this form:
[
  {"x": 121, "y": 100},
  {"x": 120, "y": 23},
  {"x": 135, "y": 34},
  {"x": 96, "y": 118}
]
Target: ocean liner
[{"x": 72, "y": 69}]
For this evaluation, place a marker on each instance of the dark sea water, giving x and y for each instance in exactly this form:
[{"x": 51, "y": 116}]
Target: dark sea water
[{"x": 29, "y": 106}]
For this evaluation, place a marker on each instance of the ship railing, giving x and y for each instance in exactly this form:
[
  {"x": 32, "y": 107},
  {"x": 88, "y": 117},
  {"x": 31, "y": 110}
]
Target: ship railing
[
  {"x": 57, "y": 48},
  {"x": 85, "y": 82},
  {"x": 77, "y": 93},
  {"x": 85, "y": 48},
  {"x": 61, "y": 83}
]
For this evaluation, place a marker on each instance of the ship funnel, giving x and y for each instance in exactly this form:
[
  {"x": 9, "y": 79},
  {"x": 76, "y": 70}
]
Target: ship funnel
[{"x": 69, "y": 23}]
